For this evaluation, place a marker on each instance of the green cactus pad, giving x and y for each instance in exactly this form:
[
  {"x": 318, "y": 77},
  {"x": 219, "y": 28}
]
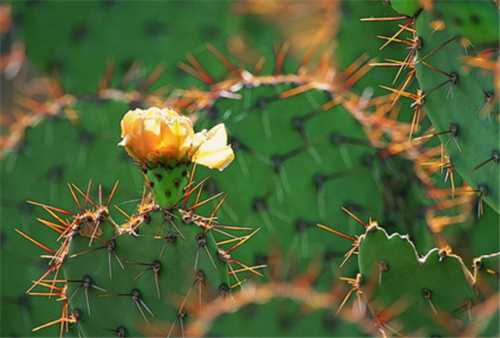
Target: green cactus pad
[
  {"x": 462, "y": 108},
  {"x": 486, "y": 273},
  {"x": 176, "y": 270},
  {"x": 411, "y": 294},
  {"x": 154, "y": 269}
]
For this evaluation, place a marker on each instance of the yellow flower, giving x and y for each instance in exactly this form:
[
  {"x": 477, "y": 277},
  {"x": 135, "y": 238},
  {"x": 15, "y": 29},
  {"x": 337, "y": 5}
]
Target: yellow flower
[
  {"x": 212, "y": 149},
  {"x": 157, "y": 137}
]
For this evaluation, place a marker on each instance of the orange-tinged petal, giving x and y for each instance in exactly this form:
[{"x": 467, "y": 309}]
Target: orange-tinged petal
[{"x": 157, "y": 135}]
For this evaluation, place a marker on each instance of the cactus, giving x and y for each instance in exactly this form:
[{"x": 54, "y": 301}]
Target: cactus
[
  {"x": 71, "y": 39},
  {"x": 470, "y": 93},
  {"x": 487, "y": 278},
  {"x": 409, "y": 294},
  {"x": 171, "y": 244},
  {"x": 69, "y": 161},
  {"x": 291, "y": 133},
  {"x": 459, "y": 98},
  {"x": 307, "y": 143},
  {"x": 80, "y": 53},
  {"x": 158, "y": 265}
]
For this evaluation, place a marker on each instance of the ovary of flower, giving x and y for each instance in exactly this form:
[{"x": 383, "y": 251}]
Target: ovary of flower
[
  {"x": 212, "y": 149},
  {"x": 160, "y": 136}
]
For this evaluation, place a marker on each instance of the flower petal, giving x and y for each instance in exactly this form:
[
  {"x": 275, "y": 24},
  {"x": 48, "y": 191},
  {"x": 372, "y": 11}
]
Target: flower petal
[
  {"x": 213, "y": 151},
  {"x": 215, "y": 159}
]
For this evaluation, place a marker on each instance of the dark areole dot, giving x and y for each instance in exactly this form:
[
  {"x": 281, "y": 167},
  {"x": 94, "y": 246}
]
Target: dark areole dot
[
  {"x": 121, "y": 332},
  {"x": 368, "y": 160},
  {"x": 126, "y": 64},
  {"x": 286, "y": 322},
  {"x": 85, "y": 137},
  {"x": 298, "y": 124},
  {"x": 224, "y": 289},
  {"x": 212, "y": 188},
  {"x": 437, "y": 14},
  {"x": 330, "y": 320},
  {"x": 252, "y": 24},
  {"x": 474, "y": 19},
  {"x": 336, "y": 139},
  {"x": 259, "y": 204},
  {"x": 420, "y": 43},
  {"x": 212, "y": 113},
  {"x": 457, "y": 21},
  {"x": 262, "y": 103},
  {"x": 154, "y": 29},
  {"x": 55, "y": 64},
  {"x": 109, "y": 3},
  {"x": 179, "y": 73},
  {"x": 277, "y": 163},
  {"x": 211, "y": 32},
  {"x": 331, "y": 255},
  {"x": 56, "y": 173},
  {"x": 301, "y": 225},
  {"x": 235, "y": 144},
  {"x": 79, "y": 33},
  {"x": 27, "y": 209},
  {"x": 24, "y": 302},
  {"x": 319, "y": 181},
  {"x": 135, "y": 104},
  {"x": 261, "y": 259}
]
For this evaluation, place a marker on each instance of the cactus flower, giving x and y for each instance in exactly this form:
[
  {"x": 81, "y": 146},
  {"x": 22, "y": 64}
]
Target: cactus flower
[
  {"x": 212, "y": 150},
  {"x": 159, "y": 137}
]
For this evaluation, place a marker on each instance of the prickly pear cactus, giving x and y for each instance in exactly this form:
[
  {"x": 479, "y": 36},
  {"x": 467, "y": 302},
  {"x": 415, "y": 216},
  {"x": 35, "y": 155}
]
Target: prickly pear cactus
[
  {"x": 304, "y": 151},
  {"x": 452, "y": 56},
  {"x": 410, "y": 294},
  {"x": 486, "y": 274},
  {"x": 307, "y": 143},
  {"x": 292, "y": 133},
  {"x": 89, "y": 146},
  {"x": 466, "y": 104},
  {"x": 157, "y": 266},
  {"x": 70, "y": 127},
  {"x": 80, "y": 39}
]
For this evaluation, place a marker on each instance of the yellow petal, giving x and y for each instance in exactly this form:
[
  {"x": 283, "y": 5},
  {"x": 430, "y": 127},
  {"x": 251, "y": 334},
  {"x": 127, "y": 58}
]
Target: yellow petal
[
  {"x": 215, "y": 159},
  {"x": 212, "y": 149}
]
